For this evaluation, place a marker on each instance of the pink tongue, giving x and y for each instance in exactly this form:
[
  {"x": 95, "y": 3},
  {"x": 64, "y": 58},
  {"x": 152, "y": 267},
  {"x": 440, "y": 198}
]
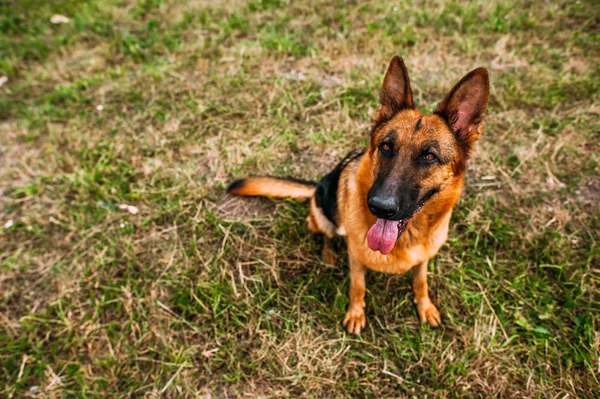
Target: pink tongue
[{"x": 383, "y": 235}]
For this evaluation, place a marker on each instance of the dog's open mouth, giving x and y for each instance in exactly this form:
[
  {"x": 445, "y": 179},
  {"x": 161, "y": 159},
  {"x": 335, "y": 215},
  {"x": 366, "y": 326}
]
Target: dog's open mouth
[{"x": 382, "y": 236}]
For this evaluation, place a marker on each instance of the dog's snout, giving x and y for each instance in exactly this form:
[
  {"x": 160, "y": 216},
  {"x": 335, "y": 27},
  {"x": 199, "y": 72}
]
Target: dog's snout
[{"x": 383, "y": 206}]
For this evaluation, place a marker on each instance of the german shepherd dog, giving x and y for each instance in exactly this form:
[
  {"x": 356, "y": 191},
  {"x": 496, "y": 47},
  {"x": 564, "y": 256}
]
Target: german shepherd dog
[{"x": 393, "y": 201}]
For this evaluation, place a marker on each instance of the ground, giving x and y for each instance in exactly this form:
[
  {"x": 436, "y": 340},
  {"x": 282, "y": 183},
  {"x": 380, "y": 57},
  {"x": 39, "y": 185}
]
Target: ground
[{"x": 159, "y": 104}]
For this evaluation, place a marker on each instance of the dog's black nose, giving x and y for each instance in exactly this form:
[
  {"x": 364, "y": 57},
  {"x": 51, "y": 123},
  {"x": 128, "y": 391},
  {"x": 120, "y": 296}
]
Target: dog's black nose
[{"x": 383, "y": 206}]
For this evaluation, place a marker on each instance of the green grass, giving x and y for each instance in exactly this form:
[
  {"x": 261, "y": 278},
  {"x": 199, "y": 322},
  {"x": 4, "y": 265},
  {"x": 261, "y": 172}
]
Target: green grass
[{"x": 201, "y": 294}]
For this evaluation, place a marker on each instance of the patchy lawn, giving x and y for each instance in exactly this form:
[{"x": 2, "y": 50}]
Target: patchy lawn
[{"x": 159, "y": 104}]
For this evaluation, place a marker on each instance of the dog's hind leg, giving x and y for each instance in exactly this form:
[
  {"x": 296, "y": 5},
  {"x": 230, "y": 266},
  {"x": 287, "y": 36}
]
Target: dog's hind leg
[
  {"x": 329, "y": 256},
  {"x": 319, "y": 224}
]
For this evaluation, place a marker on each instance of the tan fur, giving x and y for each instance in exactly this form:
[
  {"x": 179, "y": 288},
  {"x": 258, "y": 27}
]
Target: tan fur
[
  {"x": 318, "y": 222},
  {"x": 274, "y": 188}
]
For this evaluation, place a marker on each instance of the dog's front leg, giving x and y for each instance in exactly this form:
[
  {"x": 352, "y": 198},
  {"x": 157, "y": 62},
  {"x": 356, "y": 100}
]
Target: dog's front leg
[
  {"x": 355, "y": 318},
  {"x": 427, "y": 310}
]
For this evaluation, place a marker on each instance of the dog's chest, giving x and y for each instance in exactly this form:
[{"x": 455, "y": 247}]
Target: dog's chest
[
  {"x": 411, "y": 249},
  {"x": 404, "y": 256}
]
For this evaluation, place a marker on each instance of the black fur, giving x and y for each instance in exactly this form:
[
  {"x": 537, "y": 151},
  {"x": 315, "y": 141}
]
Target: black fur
[
  {"x": 236, "y": 184},
  {"x": 418, "y": 125},
  {"x": 326, "y": 193}
]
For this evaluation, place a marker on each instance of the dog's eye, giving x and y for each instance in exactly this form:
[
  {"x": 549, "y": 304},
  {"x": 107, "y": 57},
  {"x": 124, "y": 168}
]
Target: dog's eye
[
  {"x": 429, "y": 158},
  {"x": 386, "y": 148}
]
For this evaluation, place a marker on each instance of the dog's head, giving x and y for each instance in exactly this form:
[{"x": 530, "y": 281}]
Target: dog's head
[{"x": 417, "y": 156}]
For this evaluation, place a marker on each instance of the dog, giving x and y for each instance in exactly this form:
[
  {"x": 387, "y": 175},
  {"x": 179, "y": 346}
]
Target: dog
[{"x": 392, "y": 201}]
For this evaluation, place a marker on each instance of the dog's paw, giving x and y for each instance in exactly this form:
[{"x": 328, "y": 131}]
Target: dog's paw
[
  {"x": 355, "y": 320},
  {"x": 428, "y": 313}
]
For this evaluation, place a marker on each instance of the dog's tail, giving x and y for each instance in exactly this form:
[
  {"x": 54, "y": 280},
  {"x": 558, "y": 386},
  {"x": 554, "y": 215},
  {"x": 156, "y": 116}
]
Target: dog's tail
[{"x": 274, "y": 187}]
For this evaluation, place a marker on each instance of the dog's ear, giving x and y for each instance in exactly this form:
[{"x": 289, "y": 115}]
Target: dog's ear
[
  {"x": 395, "y": 92},
  {"x": 464, "y": 107}
]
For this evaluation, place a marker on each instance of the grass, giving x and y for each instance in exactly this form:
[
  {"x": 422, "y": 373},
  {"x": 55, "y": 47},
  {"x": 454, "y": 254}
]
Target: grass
[{"x": 159, "y": 104}]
